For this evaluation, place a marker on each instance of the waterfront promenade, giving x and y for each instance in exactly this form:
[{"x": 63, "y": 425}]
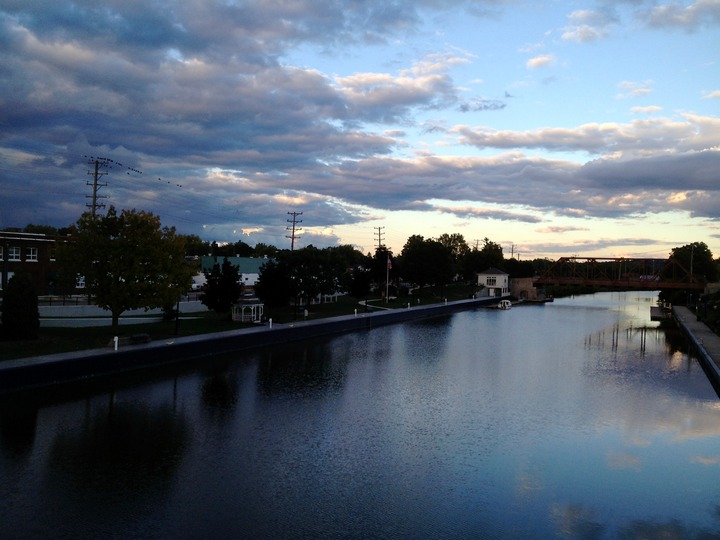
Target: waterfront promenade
[{"x": 705, "y": 341}]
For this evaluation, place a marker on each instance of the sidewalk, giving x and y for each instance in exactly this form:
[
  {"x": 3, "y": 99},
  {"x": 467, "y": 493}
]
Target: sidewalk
[{"x": 705, "y": 341}]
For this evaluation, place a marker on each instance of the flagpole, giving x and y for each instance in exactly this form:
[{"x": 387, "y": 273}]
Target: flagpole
[{"x": 387, "y": 280}]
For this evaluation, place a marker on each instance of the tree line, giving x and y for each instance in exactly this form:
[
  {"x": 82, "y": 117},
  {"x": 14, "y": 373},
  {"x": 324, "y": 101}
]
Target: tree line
[{"x": 130, "y": 261}]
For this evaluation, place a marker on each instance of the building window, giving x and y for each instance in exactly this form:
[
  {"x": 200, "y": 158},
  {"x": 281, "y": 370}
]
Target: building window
[
  {"x": 31, "y": 255},
  {"x": 9, "y": 277},
  {"x": 13, "y": 253},
  {"x": 491, "y": 280},
  {"x": 80, "y": 282}
]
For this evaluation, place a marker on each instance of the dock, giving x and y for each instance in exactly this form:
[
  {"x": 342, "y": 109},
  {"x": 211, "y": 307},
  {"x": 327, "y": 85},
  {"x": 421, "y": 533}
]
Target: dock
[{"x": 705, "y": 341}]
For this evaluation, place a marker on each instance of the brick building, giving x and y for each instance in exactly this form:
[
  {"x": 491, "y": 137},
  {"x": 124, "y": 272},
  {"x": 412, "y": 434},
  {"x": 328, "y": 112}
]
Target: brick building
[{"x": 29, "y": 253}]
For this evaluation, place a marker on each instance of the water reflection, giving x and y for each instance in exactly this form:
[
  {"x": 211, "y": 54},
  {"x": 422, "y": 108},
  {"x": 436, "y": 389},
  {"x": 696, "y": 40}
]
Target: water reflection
[
  {"x": 305, "y": 371},
  {"x": 573, "y": 521},
  {"x": 17, "y": 430},
  {"x": 119, "y": 448},
  {"x": 580, "y": 419},
  {"x": 220, "y": 391}
]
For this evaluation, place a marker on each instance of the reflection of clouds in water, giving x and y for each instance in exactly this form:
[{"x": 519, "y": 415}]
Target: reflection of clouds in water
[
  {"x": 675, "y": 419},
  {"x": 623, "y": 461},
  {"x": 640, "y": 442},
  {"x": 706, "y": 460},
  {"x": 671, "y": 529},
  {"x": 700, "y": 421},
  {"x": 575, "y": 521},
  {"x": 528, "y": 483}
]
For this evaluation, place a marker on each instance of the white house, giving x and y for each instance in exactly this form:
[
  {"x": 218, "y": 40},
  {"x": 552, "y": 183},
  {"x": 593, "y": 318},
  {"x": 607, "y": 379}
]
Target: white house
[{"x": 495, "y": 282}]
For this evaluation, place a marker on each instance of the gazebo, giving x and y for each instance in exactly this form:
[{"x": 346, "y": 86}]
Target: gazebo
[{"x": 247, "y": 312}]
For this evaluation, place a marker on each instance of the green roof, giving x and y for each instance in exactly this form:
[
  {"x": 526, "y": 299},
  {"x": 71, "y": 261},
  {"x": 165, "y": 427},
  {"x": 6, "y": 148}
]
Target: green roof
[{"x": 247, "y": 265}]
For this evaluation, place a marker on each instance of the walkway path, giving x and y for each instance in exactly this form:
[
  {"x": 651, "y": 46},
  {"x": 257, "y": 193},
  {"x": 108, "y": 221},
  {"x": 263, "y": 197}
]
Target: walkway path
[{"x": 705, "y": 340}]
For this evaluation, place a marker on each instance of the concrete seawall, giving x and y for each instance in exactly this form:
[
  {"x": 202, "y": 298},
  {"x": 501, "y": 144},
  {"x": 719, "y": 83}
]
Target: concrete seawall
[
  {"x": 60, "y": 368},
  {"x": 704, "y": 340}
]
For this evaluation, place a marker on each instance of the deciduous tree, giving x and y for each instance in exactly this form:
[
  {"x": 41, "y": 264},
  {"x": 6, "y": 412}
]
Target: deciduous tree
[
  {"x": 222, "y": 288},
  {"x": 129, "y": 261}
]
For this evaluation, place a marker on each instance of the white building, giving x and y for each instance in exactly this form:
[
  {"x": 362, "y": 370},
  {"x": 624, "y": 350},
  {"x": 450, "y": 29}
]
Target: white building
[{"x": 495, "y": 282}]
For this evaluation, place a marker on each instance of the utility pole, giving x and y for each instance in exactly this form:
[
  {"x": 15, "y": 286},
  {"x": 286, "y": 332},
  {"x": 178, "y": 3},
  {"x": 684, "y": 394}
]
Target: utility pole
[
  {"x": 379, "y": 235},
  {"x": 294, "y": 221},
  {"x": 96, "y": 185}
]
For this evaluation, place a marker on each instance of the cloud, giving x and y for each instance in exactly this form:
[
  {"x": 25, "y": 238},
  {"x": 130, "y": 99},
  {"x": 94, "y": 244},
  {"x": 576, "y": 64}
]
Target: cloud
[
  {"x": 482, "y": 104},
  {"x": 382, "y": 97},
  {"x": 541, "y": 61},
  {"x": 689, "y": 18},
  {"x": 560, "y": 229},
  {"x": 487, "y": 213},
  {"x": 640, "y": 136},
  {"x": 585, "y": 26},
  {"x": 213, "y": 97},
  {"x": 646, "y": 110},
  {"x": 714, "y": 94},
  {"x": 631, "y": 89}
]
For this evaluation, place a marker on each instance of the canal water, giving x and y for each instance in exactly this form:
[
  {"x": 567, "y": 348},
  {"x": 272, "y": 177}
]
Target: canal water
[{"x": 575, "y": 419}]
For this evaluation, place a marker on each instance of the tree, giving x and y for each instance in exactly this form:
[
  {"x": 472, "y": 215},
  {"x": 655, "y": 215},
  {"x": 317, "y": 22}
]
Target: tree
[
  {"x": 238, "y": 249},
  {"x": 426, "y": 262},
  {"x": 456, "y": 244},
  {"x": 223, "y": 287},
  {"x": 20, "y": 315},
  {"x": 195, "y": 246},
  {"x": 478, "y": 260},
  {"x": 129, "y": 261},
  {"x": 306, "y": 273},
  {"x": 265, "y": 250},
  {"x": 274, "y": 286},
  {"x": 697, "y": 259},
  {"x": 360, "y": 282}
]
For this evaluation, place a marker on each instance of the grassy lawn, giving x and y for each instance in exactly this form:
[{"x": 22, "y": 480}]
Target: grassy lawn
[{"x": 57, "y": 340}]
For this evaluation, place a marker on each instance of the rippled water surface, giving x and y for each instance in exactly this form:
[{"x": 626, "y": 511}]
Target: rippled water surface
[{"x": 576, "y": 419}]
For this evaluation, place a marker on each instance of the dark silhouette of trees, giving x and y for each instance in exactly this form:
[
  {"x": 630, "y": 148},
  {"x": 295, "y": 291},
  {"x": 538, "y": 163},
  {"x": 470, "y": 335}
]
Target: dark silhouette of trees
[
  {"x": 303, "y": 274},
  {"x": 20, "y": 315},
  {"x": 518, "y": 269},
  {"x": 697, "y": 259},
  {"x": 426, "y": 262},
  {"x": 478, "y": 260},
  {"x": 195, "y": 246},
  {"x": 222, "y": 288}
]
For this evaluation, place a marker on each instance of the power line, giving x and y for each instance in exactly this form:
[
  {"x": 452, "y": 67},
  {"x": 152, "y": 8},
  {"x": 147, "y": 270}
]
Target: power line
[{"x": 101, "y": 165}]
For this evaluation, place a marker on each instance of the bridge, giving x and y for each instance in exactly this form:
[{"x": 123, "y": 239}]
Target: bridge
[{"x": 621, "y": 273}]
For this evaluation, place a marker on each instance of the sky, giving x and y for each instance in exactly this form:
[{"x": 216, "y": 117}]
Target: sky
[{"x": 588, "y": 128}]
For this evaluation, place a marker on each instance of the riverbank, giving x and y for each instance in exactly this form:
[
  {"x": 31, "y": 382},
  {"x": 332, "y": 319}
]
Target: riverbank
[
  {"x": 61, "y": 368},
  {"x": 704, "y": 340}
]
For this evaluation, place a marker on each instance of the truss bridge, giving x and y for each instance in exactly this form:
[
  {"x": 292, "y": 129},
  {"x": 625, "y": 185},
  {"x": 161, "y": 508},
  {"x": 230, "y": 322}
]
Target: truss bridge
[{"x": 620, "y": 273}]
